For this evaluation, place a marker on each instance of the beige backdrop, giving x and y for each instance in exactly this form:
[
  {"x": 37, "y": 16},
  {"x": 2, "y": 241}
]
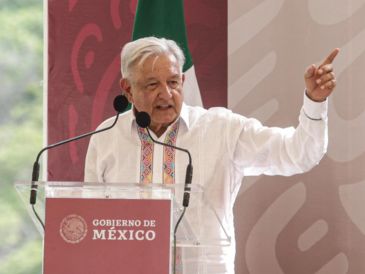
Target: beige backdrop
[{"x": 312, "y": 223}]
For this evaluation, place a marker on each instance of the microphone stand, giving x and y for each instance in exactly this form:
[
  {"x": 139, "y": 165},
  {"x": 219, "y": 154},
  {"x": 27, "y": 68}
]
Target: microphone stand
[
  {"x": 120, "y": 104},
  {"x": 143, "y": 120},
  {"x": 186, "y": 198},
  {"x": 187, "y": 189},
  {"x": 35, "y": 172}
]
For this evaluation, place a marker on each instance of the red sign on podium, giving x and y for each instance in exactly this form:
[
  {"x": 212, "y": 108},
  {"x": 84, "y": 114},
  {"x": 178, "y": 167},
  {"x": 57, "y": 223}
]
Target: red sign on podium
[{"x": 99, "y": 236}]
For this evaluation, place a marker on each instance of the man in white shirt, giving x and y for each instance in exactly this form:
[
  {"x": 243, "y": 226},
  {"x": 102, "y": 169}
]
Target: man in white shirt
[{"x": 224, "y": 146}]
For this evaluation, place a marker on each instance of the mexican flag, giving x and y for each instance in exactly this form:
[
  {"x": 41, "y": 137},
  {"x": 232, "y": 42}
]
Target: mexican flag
[{"x": 165, "y": 18}]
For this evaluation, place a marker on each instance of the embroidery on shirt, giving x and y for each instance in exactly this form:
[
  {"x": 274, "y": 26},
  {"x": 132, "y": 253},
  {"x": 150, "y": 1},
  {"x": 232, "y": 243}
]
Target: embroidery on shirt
[
  {"x": 146, "y": 163},
  {"x": 169, "y": 155}
]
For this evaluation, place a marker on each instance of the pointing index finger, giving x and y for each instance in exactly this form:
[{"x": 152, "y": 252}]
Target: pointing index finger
[{"x": 330, "y": 57}]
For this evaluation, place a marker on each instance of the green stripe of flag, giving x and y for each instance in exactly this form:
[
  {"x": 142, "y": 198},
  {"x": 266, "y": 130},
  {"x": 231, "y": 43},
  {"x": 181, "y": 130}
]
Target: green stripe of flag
[{"x": 163, "y": 18}]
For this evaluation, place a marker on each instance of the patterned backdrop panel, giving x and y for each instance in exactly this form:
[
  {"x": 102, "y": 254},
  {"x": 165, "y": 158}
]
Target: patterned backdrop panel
[{"x": 311, "y": 223}]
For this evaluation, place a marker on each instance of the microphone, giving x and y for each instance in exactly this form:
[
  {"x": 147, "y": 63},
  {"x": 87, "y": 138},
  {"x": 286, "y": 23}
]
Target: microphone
[
  {"x": 143, "y": 120},
  {"x": 120, "y": 105}
]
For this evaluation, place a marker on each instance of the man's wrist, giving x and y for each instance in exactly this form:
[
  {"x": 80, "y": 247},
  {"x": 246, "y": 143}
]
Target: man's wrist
[
  {"x": 314, "y": 110},
  {"x": 313, "y": 99}
]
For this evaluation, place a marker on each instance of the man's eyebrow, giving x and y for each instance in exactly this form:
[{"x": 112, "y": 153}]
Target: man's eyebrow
[
  {"x": 175, "y": 76},
  {"x": 150, "y": 79}
]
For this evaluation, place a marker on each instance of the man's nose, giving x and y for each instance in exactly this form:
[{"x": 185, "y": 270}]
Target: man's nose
[{"x": 165, "y": 92}]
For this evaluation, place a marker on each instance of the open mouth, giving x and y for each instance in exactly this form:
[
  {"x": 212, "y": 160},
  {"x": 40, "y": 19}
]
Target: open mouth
[{"x": 163, "y": 107}]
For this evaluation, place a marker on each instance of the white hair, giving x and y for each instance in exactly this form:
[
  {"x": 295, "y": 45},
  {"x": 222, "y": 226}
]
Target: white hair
[{"x": 136, "y": 52}]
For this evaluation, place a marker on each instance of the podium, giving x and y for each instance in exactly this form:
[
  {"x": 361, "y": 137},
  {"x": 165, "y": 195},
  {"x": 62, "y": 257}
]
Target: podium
[{"x": 120, "y": 227}]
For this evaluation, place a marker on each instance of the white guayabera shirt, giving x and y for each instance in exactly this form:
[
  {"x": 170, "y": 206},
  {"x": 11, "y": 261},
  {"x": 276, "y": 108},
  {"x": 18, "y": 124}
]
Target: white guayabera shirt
[{"x": 225, "y": 147}]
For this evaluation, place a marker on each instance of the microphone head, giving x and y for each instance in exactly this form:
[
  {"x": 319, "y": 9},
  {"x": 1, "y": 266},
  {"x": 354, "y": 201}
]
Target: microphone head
[
  {"x": 143, "y": 119},
  {"x": 120, "y": 103}
]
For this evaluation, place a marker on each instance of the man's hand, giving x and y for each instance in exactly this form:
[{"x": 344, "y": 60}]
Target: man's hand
[{"x": 321, "y": 81}]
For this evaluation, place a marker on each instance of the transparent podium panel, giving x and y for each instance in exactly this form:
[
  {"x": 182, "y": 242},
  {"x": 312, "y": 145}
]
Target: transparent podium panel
[{"x": 200, "y": 226}]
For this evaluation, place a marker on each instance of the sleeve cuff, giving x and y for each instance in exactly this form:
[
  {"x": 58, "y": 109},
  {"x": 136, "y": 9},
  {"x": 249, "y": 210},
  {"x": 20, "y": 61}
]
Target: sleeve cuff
[{"x": 315, "y": 110}]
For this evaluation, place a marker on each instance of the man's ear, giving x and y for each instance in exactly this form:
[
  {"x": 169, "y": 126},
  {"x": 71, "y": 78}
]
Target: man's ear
[
  {"x": 126, "y": 88},
  {"x": 183, "y": 78}
]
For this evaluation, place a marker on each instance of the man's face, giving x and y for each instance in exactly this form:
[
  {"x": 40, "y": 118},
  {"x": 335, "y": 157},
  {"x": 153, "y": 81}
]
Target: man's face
[{"x": 155, "y": 86}]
